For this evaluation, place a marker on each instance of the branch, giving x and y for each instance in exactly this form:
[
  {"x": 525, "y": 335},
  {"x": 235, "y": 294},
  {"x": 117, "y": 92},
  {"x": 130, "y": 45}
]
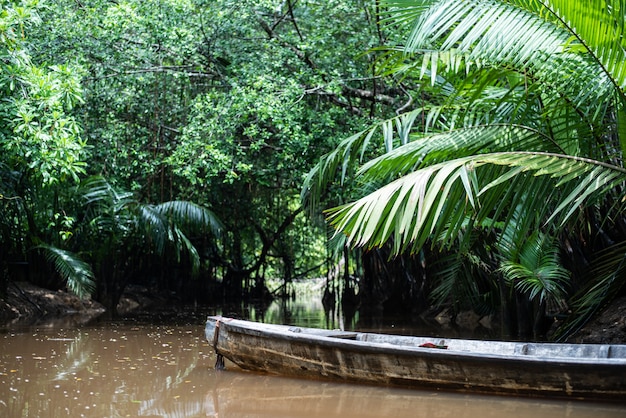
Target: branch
[
  {"x": 408, "y": 103},
  {"x": 293, "y": 19},
  {"x": 368, "y": 95},
  {"x": 160, "y": 69},
  {"x": 268, "y": 242},
  {"x": 333, "y": 97},
  {"x": 272, "y": 35}
]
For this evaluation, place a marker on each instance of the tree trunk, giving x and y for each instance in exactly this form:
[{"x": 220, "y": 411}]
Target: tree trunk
[{"x": 396, "y": 286}]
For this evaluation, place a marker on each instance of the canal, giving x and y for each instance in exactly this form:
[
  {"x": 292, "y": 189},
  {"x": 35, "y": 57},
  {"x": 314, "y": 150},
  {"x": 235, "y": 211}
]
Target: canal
[{"x": 134, "y": 368}]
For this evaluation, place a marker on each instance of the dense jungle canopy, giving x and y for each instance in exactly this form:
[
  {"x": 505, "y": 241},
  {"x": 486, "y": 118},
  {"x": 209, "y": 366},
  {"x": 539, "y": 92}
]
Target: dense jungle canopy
[{"x": 417, "y": 153}]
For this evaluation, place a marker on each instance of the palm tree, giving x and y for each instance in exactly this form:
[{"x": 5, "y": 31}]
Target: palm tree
[
  {"x": 519, "y": 136},
  {"x": 32, "y": 232},
  {"x": 117, "y": 232}
]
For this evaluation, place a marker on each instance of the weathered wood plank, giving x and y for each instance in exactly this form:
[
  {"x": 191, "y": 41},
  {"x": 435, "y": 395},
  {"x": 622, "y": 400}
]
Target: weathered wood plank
[{"x": 583, "y": 371}]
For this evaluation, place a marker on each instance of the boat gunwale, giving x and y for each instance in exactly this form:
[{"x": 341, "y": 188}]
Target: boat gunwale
[{"x": 325, "y": 338}]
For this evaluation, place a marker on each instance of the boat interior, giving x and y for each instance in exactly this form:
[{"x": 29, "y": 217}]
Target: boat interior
[{"x": 592, "y": 351}]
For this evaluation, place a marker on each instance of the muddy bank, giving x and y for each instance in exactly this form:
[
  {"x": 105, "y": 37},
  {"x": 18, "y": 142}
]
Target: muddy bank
[
  {"x": 609, "y": 327},
  {"x": 27, "y": 304}
]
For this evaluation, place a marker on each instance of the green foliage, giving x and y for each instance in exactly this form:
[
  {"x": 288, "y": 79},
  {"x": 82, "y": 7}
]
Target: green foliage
[
  {"x": 251, "y": 134},
  {"x": 42, "y": 150},
  {"x": 39, "y": 136},
  {"x": 534, "y": 268},
  {"x": 76, "y": 273},
  {"x": 609, "y": 271},
  {"x": 165, "y": 223},
  {"x": 117, "y": 233},
  {"x": 433, "y": 199},
  {"x": 502, "y": 122},
  {"x": 224, "y": 103},
  {"x": 117, "y": 219},
  {"x": 514, "y": 135}
]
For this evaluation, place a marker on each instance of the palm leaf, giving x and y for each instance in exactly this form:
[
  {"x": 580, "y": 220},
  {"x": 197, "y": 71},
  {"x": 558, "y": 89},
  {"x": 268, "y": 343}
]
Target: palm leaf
[
  {"x": 109, "y": 209},
  {"x": 608, "y": 276},
  {"x": 598, "y": 26},
  {"x": 462, "y": 274},
  {"x": 351, "y": 151},
  {"x": 410, "y": 209},
  {"x": 77, "y": 274},
  {"x": 191, "y": 214},
  {"x": 450, "y": 283},
  {"x": 493, "y": 33},
  {"x": 187, "y": 245},
  {"x": 403, "y": 11},
  {"x": 156, "y": 226},
  {"x": 96, "y": 190},
  {"x": 435, "y": 148},
  {"x": 535, "y": 269},
  {"x": 163, "y": 224}
]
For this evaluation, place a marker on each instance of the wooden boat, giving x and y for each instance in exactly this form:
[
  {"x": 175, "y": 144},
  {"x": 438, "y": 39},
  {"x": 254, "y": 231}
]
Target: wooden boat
[{"x": 577, "y": 371}]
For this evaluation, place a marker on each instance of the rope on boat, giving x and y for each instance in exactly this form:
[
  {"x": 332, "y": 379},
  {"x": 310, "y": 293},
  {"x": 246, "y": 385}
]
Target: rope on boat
[{"x": 219, "y": 363}]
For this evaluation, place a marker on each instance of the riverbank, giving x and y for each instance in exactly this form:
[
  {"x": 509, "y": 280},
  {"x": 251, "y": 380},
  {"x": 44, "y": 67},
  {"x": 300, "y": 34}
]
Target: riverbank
[
  {"x": 609, "y": 327},
  {"x": 27, "y": 304}
]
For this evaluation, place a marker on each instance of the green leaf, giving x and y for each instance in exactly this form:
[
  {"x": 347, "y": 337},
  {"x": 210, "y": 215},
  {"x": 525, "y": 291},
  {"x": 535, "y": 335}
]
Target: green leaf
[
  {"x": 77, "y": 274},
  {"x": 414, "y": 203}
]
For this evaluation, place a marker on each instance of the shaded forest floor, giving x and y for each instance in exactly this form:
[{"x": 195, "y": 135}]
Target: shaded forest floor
[
  {"x": 608, "y": 327},
  {"x": 27, "y": 304}
]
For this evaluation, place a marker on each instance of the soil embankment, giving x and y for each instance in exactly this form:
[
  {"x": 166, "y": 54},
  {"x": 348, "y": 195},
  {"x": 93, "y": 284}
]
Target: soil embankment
[
  {"x": 29, "y": 304},
  {"x": 609, "y": 327}
]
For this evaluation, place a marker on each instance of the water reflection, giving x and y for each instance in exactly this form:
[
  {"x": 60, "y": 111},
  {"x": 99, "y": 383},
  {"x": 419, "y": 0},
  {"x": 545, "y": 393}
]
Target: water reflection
[
  {"x": 246, "y": 395},
  {"x": 310, "y": 312},
  {"x": 125, "y": 370}
]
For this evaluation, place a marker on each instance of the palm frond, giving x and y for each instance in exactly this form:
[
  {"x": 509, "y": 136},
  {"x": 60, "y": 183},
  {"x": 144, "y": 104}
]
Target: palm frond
[
  {"x": 403, "y": 11},
  {"x": 77, "y": 274},
  {"x": 191, "y": 214},
  {"x": 108, "y": 208},
  {"x": 535, "y": 269},
  {"x": 492, "y": 33},
  {"x": 454, "y": 281},
  {"x": 435, "y": 148},
  {"x": 97, "y": 190},
  {"x": 187, "y": 245},
  {"x": 163, "y": 224},
  {"x": 598, "y": 26},
  {"x": 421, "y": 203},
  {"x": 156, "y": 226},
  {"x": 608, "y": 276},
  {"x": 448, "y": 281},
  {"x": 394, "y": 132}
]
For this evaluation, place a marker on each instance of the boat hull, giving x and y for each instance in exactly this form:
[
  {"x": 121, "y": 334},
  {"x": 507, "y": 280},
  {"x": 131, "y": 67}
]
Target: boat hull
[{"x": 350, "y": 357}]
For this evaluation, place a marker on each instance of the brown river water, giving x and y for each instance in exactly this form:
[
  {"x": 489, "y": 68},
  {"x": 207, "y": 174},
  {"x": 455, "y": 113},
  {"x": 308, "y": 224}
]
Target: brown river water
[{"x": 126, "y": 369}]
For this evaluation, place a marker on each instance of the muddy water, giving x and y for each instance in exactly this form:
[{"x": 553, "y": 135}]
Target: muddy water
[{"x": 127, "y": 370}]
